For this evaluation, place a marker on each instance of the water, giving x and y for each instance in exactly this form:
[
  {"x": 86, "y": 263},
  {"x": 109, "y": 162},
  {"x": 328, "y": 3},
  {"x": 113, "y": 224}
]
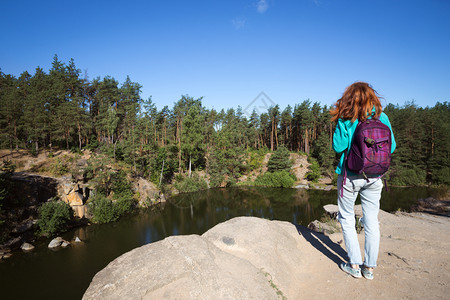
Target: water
[{"x": 66, "y": 273}]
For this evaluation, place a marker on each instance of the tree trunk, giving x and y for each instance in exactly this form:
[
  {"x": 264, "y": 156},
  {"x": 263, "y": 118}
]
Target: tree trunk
[
  {"x": 15, "y": 136},
  {"x": 179, "y": 143},
  {"x": 190, "y": 172},
  {"x": 306, "y": 141},
  {"x": 67, "y": 138},
  {"x": 271, "y": 137},
  {"x": 276, "y": 136}
]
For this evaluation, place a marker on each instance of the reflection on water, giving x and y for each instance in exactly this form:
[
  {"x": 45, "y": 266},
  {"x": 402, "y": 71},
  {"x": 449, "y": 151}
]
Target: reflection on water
[{"x": 43, "y": 273}]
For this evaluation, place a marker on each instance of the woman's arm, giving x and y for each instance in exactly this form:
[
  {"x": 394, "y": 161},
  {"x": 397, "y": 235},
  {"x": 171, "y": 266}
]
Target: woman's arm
[
  {"x": 385, "y": 120},
  {"x": 340, "y": 137}
]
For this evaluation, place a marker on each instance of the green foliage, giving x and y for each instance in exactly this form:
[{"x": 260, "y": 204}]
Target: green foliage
[
  {"x": 279, "y": 161},
  {"x": 441, "y": 176},
  {"x": 105, "y": 210},
  {"x": 256, "y": 158},
  {"x": 59, "y": 167},
  {"x": 408, "y": 177},
  {"x": 102, "y": 210},
  {"x": 54, "y": 217},
  {"x": 156, "y": 166},
  {"x": 7, "y": 168},
  {"x": 314, "y": 170},
  {"x": 105, "y": 179},
  {"x": 276, "y": 179},
  {"x": 323, "y": 152},
  {"x": 186, "y": 185}
]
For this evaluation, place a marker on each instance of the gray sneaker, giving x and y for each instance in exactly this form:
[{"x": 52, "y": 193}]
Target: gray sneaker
[
  {"x": 367, "y": 274},
  {"x": 347, "y": 268}
]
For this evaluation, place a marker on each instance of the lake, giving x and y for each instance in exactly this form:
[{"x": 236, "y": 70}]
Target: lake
[{"x": 66, "y": 273}]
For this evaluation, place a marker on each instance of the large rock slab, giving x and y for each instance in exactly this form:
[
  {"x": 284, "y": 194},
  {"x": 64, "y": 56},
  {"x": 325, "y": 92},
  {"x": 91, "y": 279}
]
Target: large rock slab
[
  {"x": 243, "y": 258},
  {"x": 148, "y": 191},
  {"x": 74, "y": 198}
]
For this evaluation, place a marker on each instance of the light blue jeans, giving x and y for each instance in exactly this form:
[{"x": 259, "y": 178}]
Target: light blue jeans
[{"x": 370, "y": 193}]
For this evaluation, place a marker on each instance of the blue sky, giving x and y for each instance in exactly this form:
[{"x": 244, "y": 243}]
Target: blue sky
[{"x": 230, "y": 51}]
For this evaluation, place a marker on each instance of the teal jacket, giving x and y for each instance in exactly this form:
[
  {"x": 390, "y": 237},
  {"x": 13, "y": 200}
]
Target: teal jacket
[{"x": 343, "y": 135}]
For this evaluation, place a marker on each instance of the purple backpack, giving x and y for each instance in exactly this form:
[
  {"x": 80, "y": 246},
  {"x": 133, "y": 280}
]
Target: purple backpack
[{"x": 370, "y": 152}]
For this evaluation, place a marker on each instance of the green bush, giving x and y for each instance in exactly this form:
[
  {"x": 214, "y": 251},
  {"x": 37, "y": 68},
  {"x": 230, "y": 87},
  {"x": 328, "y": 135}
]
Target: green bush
[
  {"x": 8, "y": 168},
  {"x": 104, "y": 210},
  {"x": 59, "y": 167},
  {"x": 314, "y": 170},
  {"x": 279, "y": 161},
  {"x": 186, "y": 185},
  {"x": 276, "y": 179},
  {"x": 409, "y": 177},
  {"x": 256, "y": 158},
  {"x": 124, "y": 204},
  {"x": 54, "y": 216},
  {"x": 441, "y": 176}
]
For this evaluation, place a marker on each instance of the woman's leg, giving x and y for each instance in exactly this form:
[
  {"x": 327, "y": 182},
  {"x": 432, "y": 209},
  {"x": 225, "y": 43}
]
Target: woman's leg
[
  {"x": 346, "y": 216},
  {"x": 370, "y": 202}
]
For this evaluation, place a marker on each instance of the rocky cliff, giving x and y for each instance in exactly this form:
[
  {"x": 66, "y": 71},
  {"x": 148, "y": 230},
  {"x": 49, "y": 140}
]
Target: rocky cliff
[{"x": 251, "y": 258}]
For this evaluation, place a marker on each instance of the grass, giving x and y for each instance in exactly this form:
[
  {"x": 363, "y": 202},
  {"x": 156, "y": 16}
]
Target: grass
[{"x": 273, "y": 285}]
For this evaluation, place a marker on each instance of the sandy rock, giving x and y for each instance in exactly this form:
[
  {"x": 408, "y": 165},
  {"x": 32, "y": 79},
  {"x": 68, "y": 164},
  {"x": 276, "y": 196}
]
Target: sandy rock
[
  {"x": 24, "y": 226},
  {"x": 324, "y": 228},
  {"x": 6, "y": 253},
  {"x": 302, "y": 186},
  {"x": 56, "y": 242},
  {"x": 65, "y": 244},
  {"x": 332, "y": 210},
  {"x": 74, "y": 198},
  {"x": 433, "y": 206},
  {"x": 148, "y": 191},
  {"x": 66, "y": 188},
  {"x": 227, "y": 263},
  {"x": 13, "y": 243},
  {"x": 27, "y": 247},
  {"x": 79, "y": 211},
  {"x": 244, "y": 258}
]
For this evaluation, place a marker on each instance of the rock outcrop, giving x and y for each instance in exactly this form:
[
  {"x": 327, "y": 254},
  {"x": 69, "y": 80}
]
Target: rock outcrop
[
  {"x": 148, "y": 192},
  {"x": 243, "y": 258},
  {"x": 75, "y": 194},
  {"x": 250, "y": 258}
]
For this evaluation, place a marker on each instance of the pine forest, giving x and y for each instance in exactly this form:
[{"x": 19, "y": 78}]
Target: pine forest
[{"x": 59, "y": 109}]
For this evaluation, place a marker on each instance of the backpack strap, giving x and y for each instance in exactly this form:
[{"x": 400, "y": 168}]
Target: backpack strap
[{"x": 345, "y": 172}]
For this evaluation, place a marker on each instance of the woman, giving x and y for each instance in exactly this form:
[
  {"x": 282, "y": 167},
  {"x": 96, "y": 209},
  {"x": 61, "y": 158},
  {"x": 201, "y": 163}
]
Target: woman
[{"x": 358, "y": 103}]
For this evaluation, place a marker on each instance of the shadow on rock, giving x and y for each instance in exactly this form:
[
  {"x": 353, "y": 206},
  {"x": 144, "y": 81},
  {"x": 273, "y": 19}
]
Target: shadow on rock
[{"x": 324, "y": 244}]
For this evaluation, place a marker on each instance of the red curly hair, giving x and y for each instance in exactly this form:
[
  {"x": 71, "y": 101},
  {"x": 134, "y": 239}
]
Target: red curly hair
[{"x": 357, "y": 102}]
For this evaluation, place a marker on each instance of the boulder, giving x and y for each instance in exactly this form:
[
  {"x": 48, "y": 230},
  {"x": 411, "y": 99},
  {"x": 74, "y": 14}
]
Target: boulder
[
  {"x": 75, "y": 198},
  {"x": 302, "y": 186},
  {"x": 243, "y": 258},
  {"x": 56, "y": 242},
  {"x": 148, "y": 191},
  {"x": 65, "y": 244},
  {"x": 27, "y": 247},
  {"x": 66, "y": 188},
  {"x": 324, "y": 228},
  {"x": 79, "y": 210},
  {"x": 13, "y": 243},
  {"x": 77, "y": 240},
  {"x": 5, "y": 253},
  {"x": 24, "y": 226},
  {"x": 332, "y": 210}
]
